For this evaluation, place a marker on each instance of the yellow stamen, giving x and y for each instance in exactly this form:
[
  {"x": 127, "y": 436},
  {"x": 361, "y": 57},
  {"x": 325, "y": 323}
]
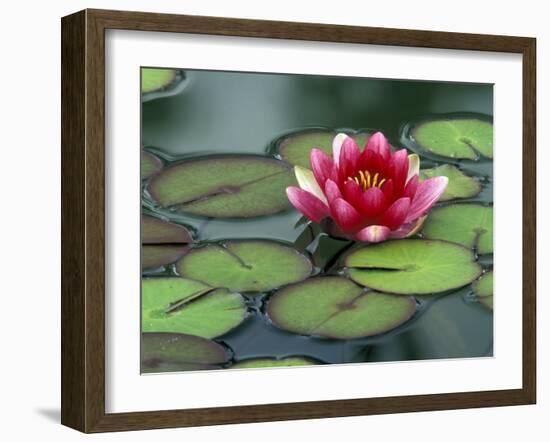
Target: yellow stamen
[
  {"x": 362, "y": 180},
  {"x": 365, "y": 181}
]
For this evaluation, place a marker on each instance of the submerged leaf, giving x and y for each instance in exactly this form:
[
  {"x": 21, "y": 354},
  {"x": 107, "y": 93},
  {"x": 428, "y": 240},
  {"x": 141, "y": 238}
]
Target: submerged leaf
[
  {"x": 165, "y": 352},
  {"x": 468, "y": 224},
  {"x": 412, "y": 266},
  {"x": 239, "y": 186},
  {"x": 157, "y": 231},
  {"x": 158, "y": 255},
  {"x": 245, "y": 265},
  {"x": 150, "y": 165},
  {"x": 334, "y": 307}
]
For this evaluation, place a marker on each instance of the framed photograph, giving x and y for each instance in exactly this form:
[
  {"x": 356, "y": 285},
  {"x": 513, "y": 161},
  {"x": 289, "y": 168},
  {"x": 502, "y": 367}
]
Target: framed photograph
[{"x": 268, "y": 220}]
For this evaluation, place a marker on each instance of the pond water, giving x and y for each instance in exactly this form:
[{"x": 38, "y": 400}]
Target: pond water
[{"x": 245, "y": 113}]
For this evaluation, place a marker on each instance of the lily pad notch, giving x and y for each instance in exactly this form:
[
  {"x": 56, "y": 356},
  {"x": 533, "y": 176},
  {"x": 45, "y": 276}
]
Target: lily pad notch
[
  {"x": 412, "y": 266},
  {"x": 334, "y": 307},
  {"x": 483, "y": 289},
  {"x": 162, "y": 242},
  {"x": 455, "y": 137},
  {"x": 245, "y": 265},
  {"x": 179, "y": 305},
  {"x": 224, "y": 186},
  {"x": 470, "y": 225}
]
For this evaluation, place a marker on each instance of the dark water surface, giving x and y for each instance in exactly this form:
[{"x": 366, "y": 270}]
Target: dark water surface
[{"x": 219, "y": 112}]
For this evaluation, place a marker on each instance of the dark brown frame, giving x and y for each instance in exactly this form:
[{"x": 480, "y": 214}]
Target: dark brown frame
[{"x": 83, "y": 216}]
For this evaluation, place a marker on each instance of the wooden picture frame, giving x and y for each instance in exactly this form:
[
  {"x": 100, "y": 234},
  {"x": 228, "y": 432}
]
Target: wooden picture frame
[{"x": 83, "y": 220}]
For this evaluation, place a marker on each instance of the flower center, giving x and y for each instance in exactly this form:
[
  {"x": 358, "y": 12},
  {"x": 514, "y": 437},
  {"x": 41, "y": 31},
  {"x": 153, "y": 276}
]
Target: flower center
[{"x": 365, "y": 180}]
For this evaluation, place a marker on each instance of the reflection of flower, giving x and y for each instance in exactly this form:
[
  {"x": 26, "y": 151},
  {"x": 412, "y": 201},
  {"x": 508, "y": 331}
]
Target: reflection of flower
[{"x": 369, "y": 196}]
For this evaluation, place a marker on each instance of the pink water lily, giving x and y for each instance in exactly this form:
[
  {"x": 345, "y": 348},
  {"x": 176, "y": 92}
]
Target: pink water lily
[{"x": 370, "y": 195}]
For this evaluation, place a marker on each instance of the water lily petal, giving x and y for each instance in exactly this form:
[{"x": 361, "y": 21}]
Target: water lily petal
[
  {"x": 307, "y": 203},
  {"x": 389, "y": 189},
  {"x": 426, "y": 196},
  {"x": 372, "y": 202},
  {"x": 349, "y": 157},
  {"x": 396, "y": 213},
  {"x": 306, "y": 181},
  {"x": 373, "y": 162},
  {"x": 323, "y": 167},
  {"x": 352, "y": 192},
  {"x": 399, "y": 169},
  {"x": 332, "y": 191},
  {"x": 373, "y": 234},
  {"x": 414, "y": 166},
  {"x": 408, "y": 229},
  {"x": 337, "y": 146},
  {"x": 345, "y": 215},
  {"x": 378, "y": 143},
  {"x": 411, "y": 187}
]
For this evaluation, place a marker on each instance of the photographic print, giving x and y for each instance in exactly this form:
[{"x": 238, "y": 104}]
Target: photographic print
[{"x": 294, "y": 220}]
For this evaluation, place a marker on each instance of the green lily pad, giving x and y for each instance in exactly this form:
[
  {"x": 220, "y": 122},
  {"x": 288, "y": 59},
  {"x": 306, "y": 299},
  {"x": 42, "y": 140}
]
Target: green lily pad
[
  {"x": 150, "y": 165},
  {"x": 483, "y": 288},
  {"x": 296, "y": 148},
  {"x": 460, "y": 185},
  {"x": 153, "y": 79},
  {"x": 468, "y": 224},
  {"x": 245, "y": 265},
  {"x": 487, "y": 301},
  {"x": 240, "y": 186},
  {"x": 164, "y": 352},
  {"x": 412, "y": 266},
  {"x": 456, "y": 138},
  {"x": 181, "y": 305},
  {"x": 334, "y": 307},
  {"x": 158, "y": 255},
  {"x": 157, "y": 231},
  {"x": 273, "y": 363}
]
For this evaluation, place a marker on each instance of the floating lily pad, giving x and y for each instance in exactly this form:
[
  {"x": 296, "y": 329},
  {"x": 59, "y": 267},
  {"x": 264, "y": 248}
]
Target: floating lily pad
[
  {"x": 460, "y": 185},
  {"x": 164, "y": 352},
  {"x": 296, "y": 148},
  {"x": 411, "y": 266},
  {"x": 456, "y": 138},
  {"x": 153, "y": 79},
  {"x": 245, "y": 266},
  {"x": 225, "y": 186},
  {"x": 483, "y": 288},
  {"x": 468, "y": 224},
  {"x": 335, "y": 307},
  {"x": 181, "y": 305},
  {"x": 150, "y": 165},
  {"x": 153, "y": 256},
  {"x": 273, "y": 363},
  {"x": 157, "y": 231}
]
